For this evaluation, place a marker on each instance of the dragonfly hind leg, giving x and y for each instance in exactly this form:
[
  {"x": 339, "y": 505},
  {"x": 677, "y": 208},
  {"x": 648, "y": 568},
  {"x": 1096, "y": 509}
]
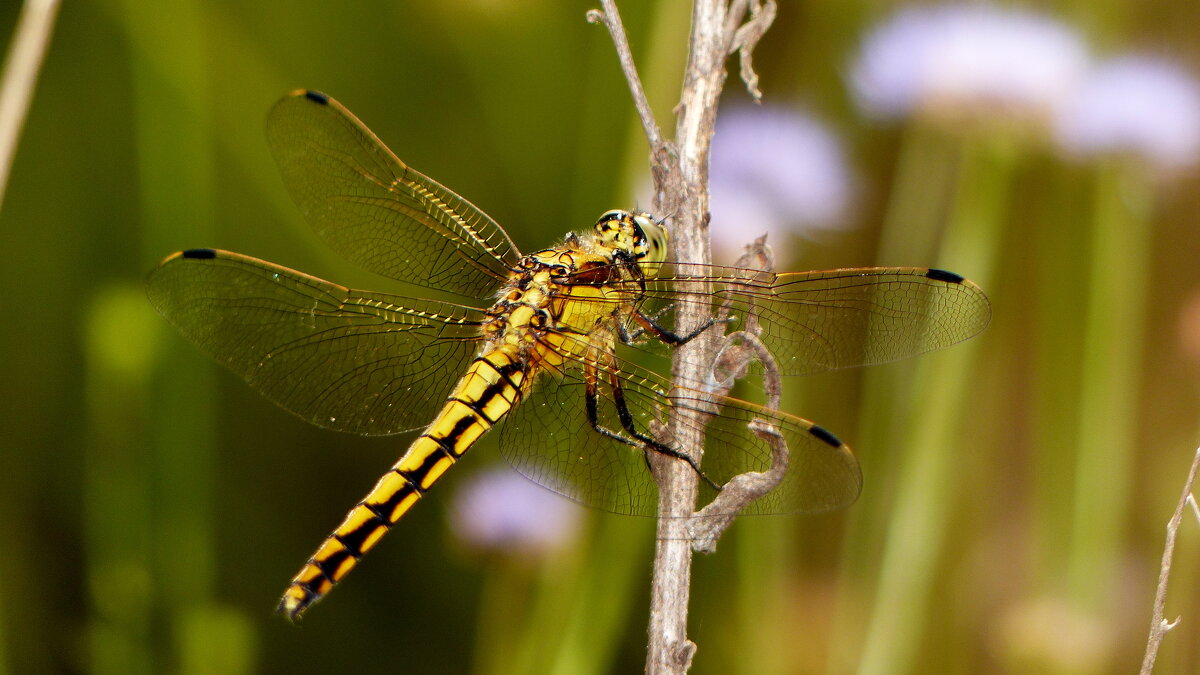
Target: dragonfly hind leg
[{"x": 639, "y": 440}]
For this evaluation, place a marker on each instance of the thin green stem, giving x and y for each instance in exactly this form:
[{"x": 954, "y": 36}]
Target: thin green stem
[
  {"x": 765, "y": 559},
  {"x": 1059, "y": 253},
  {"x": 603, "y": 599},
  {"x": 913, "y": 223},
  {"x": 1108, "y": 389},
  {"x": 927, "y": 494},
  {"x": 120, "y": 344}
]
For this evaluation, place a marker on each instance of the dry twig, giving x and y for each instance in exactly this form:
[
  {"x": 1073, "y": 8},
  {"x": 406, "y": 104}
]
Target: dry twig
[
  {"x": 1159, "y": 625},
  {"x": 711, "y": 521},
  {"x": 733, "y": 360},
  {"x": 762, "y": 15},
  {"x": 34, "y": 27}
]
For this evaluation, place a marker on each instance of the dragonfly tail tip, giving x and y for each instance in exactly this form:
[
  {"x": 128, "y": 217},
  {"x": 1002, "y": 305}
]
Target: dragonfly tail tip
[{"x": 294, "y": 603}]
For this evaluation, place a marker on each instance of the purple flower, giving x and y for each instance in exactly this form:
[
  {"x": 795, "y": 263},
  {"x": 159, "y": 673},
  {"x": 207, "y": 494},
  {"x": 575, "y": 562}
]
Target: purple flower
[
  {"x": 774, "y": 170},
  {"x": 500, "y": 510},
  {"x": 1138, "y": 105},
  {"x": 978, "y": 59}
]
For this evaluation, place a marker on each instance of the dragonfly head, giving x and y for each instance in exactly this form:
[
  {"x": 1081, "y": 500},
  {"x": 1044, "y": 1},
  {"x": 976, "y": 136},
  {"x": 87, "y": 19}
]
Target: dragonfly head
[{"x": 637, "y": 234}]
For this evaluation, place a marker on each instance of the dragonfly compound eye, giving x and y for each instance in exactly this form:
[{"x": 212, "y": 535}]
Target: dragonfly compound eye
[{"x": 653, "y": 244}]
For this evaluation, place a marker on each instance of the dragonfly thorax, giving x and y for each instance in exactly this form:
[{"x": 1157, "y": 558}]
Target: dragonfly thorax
[{"x": 570, "y": 289}]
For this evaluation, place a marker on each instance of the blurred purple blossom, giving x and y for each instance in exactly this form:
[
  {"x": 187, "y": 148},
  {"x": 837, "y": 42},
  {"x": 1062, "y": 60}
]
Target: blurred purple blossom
[
  {"x": 1138, "y": 105},
  {"x": 974, "y": 58},
  {"x": 774, "y": 170},
  {"x": 502, "y": 511}
]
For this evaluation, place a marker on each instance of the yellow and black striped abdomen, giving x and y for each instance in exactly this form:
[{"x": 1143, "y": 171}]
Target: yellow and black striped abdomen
[{"x": 490, "y": 388}]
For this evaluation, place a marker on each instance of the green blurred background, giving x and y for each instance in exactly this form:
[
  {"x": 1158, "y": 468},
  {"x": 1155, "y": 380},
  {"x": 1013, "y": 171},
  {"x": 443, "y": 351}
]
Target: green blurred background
[{"x": 152, "y": 507}]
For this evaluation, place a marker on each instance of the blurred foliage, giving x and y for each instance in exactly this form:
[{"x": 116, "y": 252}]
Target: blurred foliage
[{"x": 152, "y": 506}]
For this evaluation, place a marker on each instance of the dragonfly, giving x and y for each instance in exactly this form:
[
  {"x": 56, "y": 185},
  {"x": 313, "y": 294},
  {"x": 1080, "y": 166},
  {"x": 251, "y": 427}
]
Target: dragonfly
[{"x": 537, "y": 338}]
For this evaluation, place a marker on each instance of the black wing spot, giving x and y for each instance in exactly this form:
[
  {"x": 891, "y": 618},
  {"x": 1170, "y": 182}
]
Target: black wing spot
[
  {"x": 943, "y": 275},
  {"x": 316, "y": 96},
  {"x": 825, "y": 435},
  {"x": 200, "y": 253}
]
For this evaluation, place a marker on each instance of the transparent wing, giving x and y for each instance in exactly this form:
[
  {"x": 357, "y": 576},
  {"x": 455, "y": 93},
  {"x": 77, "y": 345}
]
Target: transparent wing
[
  {"x": 377, "y": 211},
  {"x": 825, "y": 320},
  {"x": 549, "y": 439},
  {"x": 349, "y": 360}
]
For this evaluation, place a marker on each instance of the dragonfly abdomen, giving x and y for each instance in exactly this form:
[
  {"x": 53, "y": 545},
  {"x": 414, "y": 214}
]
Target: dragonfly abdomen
[{"x": 484, "y": 395}]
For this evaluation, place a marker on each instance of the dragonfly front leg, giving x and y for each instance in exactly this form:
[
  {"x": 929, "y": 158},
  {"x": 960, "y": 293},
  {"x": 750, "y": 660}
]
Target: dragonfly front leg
[{"x": 639, "y": 440}]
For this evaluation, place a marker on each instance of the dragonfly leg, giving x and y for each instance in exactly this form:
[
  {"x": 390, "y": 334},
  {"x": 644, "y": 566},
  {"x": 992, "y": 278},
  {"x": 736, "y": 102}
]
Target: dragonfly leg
[
  {"x": 651, "y": 325},
  {"x": 631, "y": 337},
  {"x": 639, "y": 439},
  {"x": 632, "y": 266}
]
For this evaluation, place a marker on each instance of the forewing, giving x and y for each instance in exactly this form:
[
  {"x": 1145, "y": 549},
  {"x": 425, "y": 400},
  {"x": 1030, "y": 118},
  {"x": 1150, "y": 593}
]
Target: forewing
[
  {"x": 377, "y": 211},
  {"x": 361, "y": 362},
  {"x": 819, "y": 321}
]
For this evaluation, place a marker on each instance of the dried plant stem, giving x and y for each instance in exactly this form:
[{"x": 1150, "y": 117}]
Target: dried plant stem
[
  {"x": 680, "y": 171},
  {"x": 24, "y": 60},
  {"x": 1159, "y": 625},
  {"x": 747, "y": 37}
]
